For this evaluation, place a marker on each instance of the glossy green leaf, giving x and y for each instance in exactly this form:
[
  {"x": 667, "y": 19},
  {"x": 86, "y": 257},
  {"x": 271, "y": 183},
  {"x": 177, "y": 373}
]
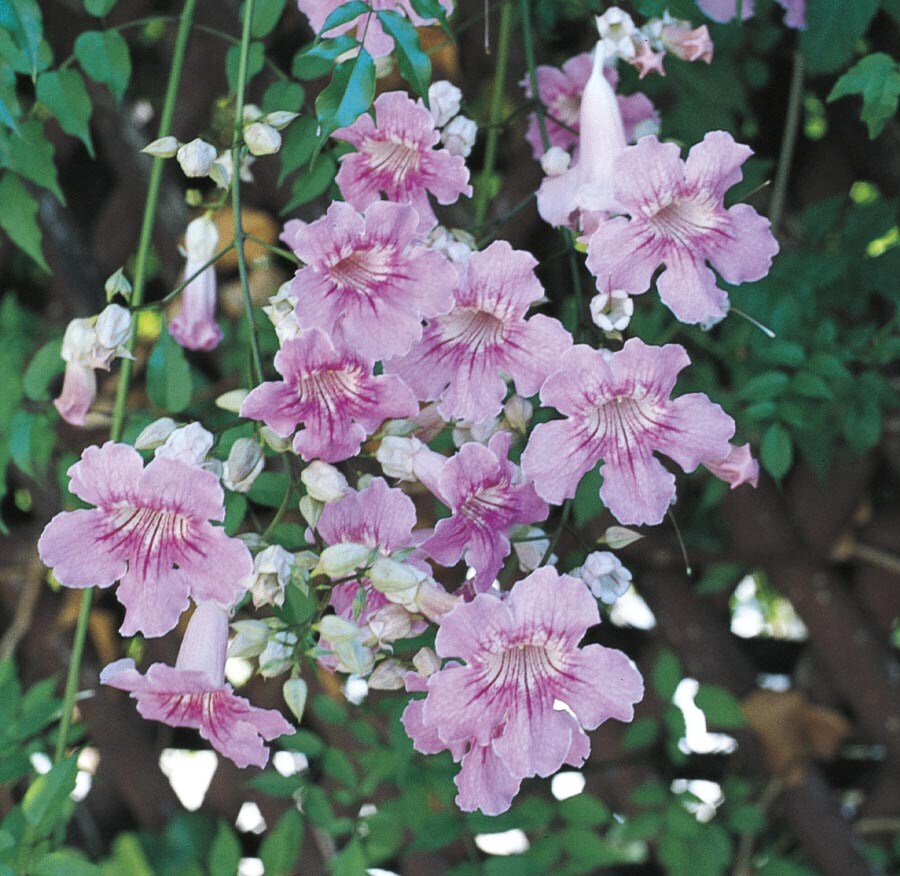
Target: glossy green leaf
[
  {"x": 266, "y": 14},
  {"x": 30, "y": 154},
  {"x": 256, "y": 60},
  {"x": 319, "y": 57},
  {"x": 414, "y": 64},
  {"x": 18, "y": 217},
  {"x": 286, "y": 96},
  {"x": 9, "y": 102},
  {"x": 833, "y": 29},
  {"x": 64, "y": 94},
  {"x": 298, "y": 145},
  {"x": 105, "y": 58},
  {"x": 877, "y": 78},
  {"x": 22, "y": 20},
  {"x": 44, "y": 800},
  {"x": 311, "y": 182},
  {"x": 99, "y": 8},
  {"x": 344, "y": 14},
  {"x": 280, "y": 848},
  {"x": 225, "y": 852},
  {"x": 776, "y": 451},
  {"x": 348, "y": 95},
  {"x": 65, "y": 862},
  {"x": 432, "y": 10}
]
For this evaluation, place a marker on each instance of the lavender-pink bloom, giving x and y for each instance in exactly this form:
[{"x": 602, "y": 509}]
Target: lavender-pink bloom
[
  {"x": 331, "y": 392},
  {"x": 618, "y": 410},
  {"x": 195, "y": 326},
  {"x": 463, "y": 355},
  {"x": 561, "y": 90},
  {"x": 726, "y": 10},
  {"x": 677, "y": 218},
  {"x": 396, "y": 155},
  {"x": 151, "y": 531},
  {"x": 486, "y": 496},
  {"x": 365, "y": 283},
  {"x": 194, "y": 692},
  {"x": 738, "y": 468},
  {"x": 522, "y": 656}
]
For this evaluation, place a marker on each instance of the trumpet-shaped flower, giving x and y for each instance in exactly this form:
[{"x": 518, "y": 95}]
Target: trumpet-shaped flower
[
  {"x": 521, "y": 657},
  {"x": 739, "y": 467},
  {"x": 395, "y": 154},
  {"x": 588, "y": 184},
  {"x": 561, "y": 90},
  {"x": 195, "y": 326},
  {"x": 194, "y": 692},
  {"x": 463, "y": 355},
  {"x": 331, "y": 392},
  {"x": 486, "y": 496},
  {"x": 726, "y": 10},
  {"x": 618, "y": 410},
  {"x": 676, "y": 217},
  {"x": 365, "y": 282},
  {"x": 150, "y": 531}
]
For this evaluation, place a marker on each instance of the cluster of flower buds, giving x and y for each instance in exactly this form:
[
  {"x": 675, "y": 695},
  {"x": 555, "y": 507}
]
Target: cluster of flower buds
[
  {"x": 262, "y": 130},
  {"x": 458, "y": 132}
]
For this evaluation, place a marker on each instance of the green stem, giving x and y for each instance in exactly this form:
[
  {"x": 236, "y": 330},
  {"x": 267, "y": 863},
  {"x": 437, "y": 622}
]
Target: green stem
[
  {"x": 236, "y": 157},
  {"x": 137, "y": 297},
  {"x": 482, "y": 192},
  {"x": 788, "y": 142},
  {"x": 157, "y": 305}
]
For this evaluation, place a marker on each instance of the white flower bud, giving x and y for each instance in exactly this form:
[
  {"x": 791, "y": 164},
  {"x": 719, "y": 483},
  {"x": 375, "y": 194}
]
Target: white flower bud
[
  {"x": 294, "y": 691},
  {"x": 426, "y": 662},
  {"x": 78, "y": 342},
  {"x": 455, "y": 244},
  {"x": 311, "y": 509},
  {"x": 518, "y": 412},
  {"x": 196, "y": 158},
  {"x": 155, "y": 434},
  {"x": 444, "y": 99},
  {"x": 531, "y": 550},
  {"x": 262, "y": 139},
  {"x": 324, "y": 482},
  {"x": 389, "y": 623},
  {"x": 112, "y": 331},
  {"x": 252, "y": 113},
  {"x": 389, "y": 576},
  {"x": 245, "y": 462},
  {"x": 190, "y": 444},
  {"x": 339, "y": 629},
  {"x": 354, "y": 658},
  {"x": 164, "y": 147},
  {"x": 339, "y": 560},
  {"x": 388, "y": 675},
  {"x": 434, "y": 601},
  {"x": 616, "y": 30},
  {"x": 271, "y": 573},
  {"x": 618, "y": 537},
  {"x": 117, "y": 284},
  {"x": 251, "y": 638},
  {"x": 397, "y": 455},
  {"x": 280, "y": 119},
  {"x": 274, "y": 440},
  {"x": 612, "y": 311},
  {"x": 555, "y": 161},
  {"x": 231, "y": 401},
  {"x": 278, "y": 655},
  {"x": 605, "y": 575},
  {"x": 200, "y": 239},
  {"x": 459, "y": 136}
]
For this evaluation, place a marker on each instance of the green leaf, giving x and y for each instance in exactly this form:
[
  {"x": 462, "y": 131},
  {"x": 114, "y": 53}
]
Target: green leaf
[
  {"x": 833, "y": 29},
  {"x": 99, "y": 8},
  {"x": 64, "y": 94},
  {"x": 280, "y": 848},
  {"x": 810, "y": 386},
  {"x": 877, "y": 78},
  {"x": 432, "y": 10},
  {"x": 721, "y": 576},
  {"x": 30, "y": 154},
  {"x": 746, "y": 819},
  {"x": 66, "y": 862},
  {"x": 720, "y": 706},
  {"x": 641, "y": 733},
  {"x": 297, "y": 147},
  {"x": 225, "y": 852},
  {"x": 256, "y": 59},
  {"x": 337, "y": 765},
  {"x": 329, "y": 710},
  {"x": 344, "y": 14},
  {"x": 18, "y": 217},
  {"x": 31, "y": 442},
  {"x": 287, "y": 96},
  {"x": 319, "y": 58},
  {"x": 9, "y": 102},
  {"x": 584, "y": 810},
  {"x": 350, "y": 861},
  {"x": 667, "y": 674},
  {"x": 764, "y": 386},
  {"x": 862, "y": 426},
  {"x": 414, "y": 64},
  {"x": 776, "y": 451},
  {"x": 44, "y": 802},
  {"x": 348, "y": 95},
  {"x": 104, "y": 56},
  {"x": 266, "y": 14},
  {"x": 22, "y": 19},
  {"x": 168, "y": 375},
  {"x": 311, "y": 182}
]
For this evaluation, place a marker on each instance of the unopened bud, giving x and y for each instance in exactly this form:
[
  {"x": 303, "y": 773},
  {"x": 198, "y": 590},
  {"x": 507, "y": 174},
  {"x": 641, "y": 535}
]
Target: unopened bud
[
  {"x": 112, "y": 332},
  {"x": 190, "y": 444},
  {"x": 262, "y": 139},
  {"x": 324, "y": 482},
  {"x": 397, "y": 455},
  {"x": 231, "y": 401},
  {"x": 251, "y": 113},
  {"x": 164, "y": 147},
  {"x": 250, "y": 639},
  {"x": 434, "y": 601},
  {"x": 389, "y": 577},
  {"x": 117, "y": 284},
  {"x": 426, "y": 662},
  {"x": 272, "y": 569},
  {"x": 245, "y": 462},
  {"x": 338, "y": 629},
  {"x": 459, "y": 136},
  {"x": 388, "y": 675},
  {"x": 555, "y": 161},
  {"x": 311, "y": 509},
  {"x": 354, "y": 658},
  {"x": 518, "y": 412},
  {"x": 294, "y": 691},
  {"x": 389, "y": 623},
  {"x": 278, "y": 655},
  {"x": 155, "y": 434},
  {"x": 280, "y": 119},
  {"x": 274, "y": 440},
  {"x": 444, "y": 99},
  {"x": 618, "y": 537},
  {"x": 196, "y": 158},
  {"x": 339, "y": 560}
]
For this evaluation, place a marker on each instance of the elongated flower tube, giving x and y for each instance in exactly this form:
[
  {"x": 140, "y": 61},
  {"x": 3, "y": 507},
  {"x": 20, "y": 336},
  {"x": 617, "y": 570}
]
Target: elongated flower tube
[
  {"x": 618, "y": 409},
  {"x": 194, "y": 693},
  {"x": 521, "y": 657},
  {"x": 195, "y": 326},
  {"x": 150, "y": 531},
  {"x": 588, "y": 184}
]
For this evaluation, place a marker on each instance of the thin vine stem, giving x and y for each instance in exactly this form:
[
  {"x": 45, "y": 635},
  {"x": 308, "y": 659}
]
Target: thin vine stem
[
  {"x": 788, "y": 142},
  {"x": 156, "y": 305},
  {"x": 482, "y": 193},
  {"x": 237, "y": 155},
  {"x": 137, "y": 297}
]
